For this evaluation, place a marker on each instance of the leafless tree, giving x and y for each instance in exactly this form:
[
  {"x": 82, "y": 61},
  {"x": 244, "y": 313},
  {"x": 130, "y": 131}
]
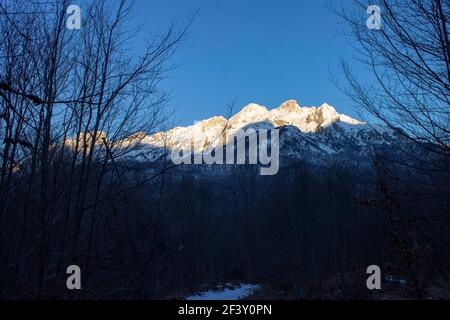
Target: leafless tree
[
  {"x": 70, "y": 101},
  {"x": 409, "y": 59},
  {"x": 408, "y": 90}
]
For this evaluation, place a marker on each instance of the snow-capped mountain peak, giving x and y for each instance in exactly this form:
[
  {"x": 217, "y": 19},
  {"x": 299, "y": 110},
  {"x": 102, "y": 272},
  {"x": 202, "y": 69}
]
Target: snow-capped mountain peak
[
  {"x": 204, "y": 133},
  {"x": 289, "y": 113},
  {"x": 289, "y": 106},
  {"x": 252, "y": 108},
  {"x": 305, "y": 133}
]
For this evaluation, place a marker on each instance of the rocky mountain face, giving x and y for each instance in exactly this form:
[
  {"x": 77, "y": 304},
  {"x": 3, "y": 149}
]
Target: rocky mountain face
[{"x": 317, "y": 135}]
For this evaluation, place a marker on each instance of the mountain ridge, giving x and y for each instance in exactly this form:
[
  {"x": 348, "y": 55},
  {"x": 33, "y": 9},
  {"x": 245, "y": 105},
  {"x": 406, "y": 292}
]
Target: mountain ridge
[
  {"x": 318, "y": 135},
  {"x": 306, "y": 119}
]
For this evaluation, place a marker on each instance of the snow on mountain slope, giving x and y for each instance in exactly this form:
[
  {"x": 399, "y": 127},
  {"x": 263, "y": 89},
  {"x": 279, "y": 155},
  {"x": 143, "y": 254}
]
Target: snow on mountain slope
[
  {"x": 203, "y": 133},
  {"x": 309, "y": 133}
]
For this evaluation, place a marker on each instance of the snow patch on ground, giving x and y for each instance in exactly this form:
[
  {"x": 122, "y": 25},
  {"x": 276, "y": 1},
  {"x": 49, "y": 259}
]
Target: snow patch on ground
[{"x": 233, "y": 293}]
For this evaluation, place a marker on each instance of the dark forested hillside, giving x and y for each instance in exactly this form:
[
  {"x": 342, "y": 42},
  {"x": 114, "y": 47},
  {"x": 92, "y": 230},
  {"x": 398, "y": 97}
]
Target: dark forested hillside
[{"x": 308, "y": 232}]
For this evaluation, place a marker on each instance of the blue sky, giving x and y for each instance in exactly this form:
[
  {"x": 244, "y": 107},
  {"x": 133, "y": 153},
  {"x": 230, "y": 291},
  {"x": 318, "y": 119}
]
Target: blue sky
[{"x": 263, "y": 51}]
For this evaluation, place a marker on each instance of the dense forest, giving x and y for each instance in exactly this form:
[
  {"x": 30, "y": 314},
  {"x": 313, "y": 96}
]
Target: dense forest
[{"x": 307, "y": 232}]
